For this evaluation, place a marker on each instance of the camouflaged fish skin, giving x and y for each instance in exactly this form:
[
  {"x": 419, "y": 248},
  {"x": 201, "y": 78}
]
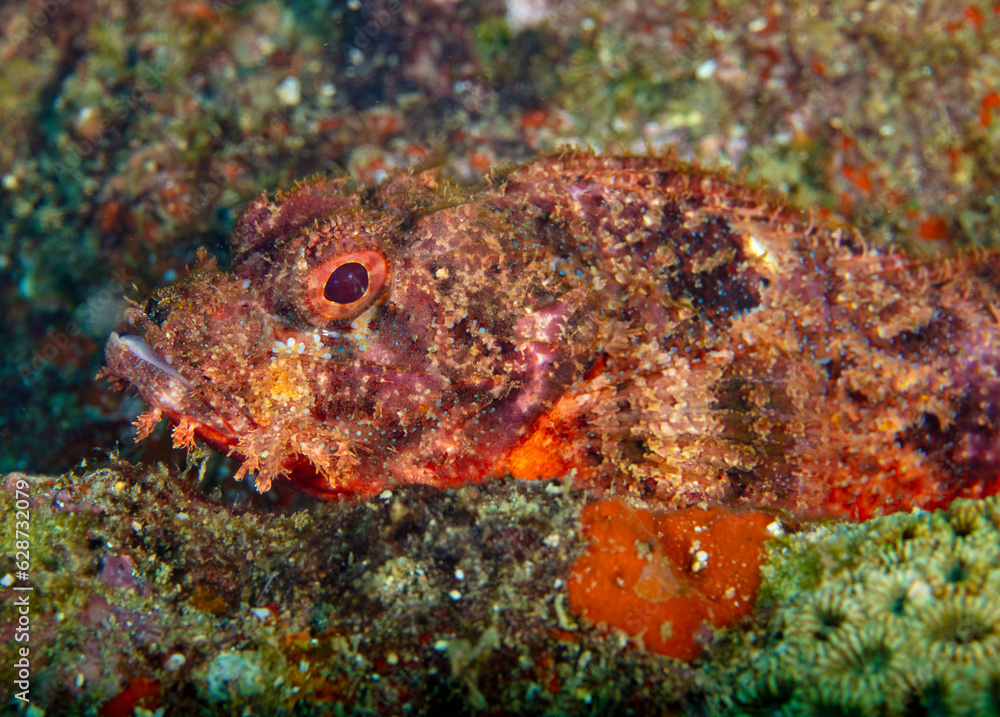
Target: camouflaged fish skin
[{"x": 652, "y": 327}]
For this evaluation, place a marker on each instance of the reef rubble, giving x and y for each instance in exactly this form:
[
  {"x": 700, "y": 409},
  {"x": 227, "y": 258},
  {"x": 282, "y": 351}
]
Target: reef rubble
[{"x": 151, "y": 593}]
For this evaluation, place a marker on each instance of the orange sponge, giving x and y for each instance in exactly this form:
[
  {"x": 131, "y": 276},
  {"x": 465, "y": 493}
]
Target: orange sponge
[{"x": 660, "y": 577}]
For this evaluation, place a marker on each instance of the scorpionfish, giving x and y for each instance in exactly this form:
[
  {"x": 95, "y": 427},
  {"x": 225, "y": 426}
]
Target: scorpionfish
[{"x": 638, "y": 323}]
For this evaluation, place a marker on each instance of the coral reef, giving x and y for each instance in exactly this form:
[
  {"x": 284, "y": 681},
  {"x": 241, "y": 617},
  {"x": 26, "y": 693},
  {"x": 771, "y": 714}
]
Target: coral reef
[
  {"x": 147, "y": 592},
  {"x": 831, "y": 102},
  {"x": 133, "y": 133},
  {"x": 896, "y": 616}
]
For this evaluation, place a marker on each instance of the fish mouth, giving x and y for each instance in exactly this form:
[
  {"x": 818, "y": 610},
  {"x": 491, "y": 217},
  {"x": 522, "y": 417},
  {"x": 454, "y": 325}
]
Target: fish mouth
[{"x": 130, "y": 359}]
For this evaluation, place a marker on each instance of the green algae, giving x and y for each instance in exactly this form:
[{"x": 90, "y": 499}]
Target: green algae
[{"x": 417, "y": 600}]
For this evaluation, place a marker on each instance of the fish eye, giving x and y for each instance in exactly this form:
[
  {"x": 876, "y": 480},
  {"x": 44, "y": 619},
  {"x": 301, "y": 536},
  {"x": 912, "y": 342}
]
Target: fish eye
[
  {"x": 347, "y": 284},
  {"x": 341, "y": 288}
]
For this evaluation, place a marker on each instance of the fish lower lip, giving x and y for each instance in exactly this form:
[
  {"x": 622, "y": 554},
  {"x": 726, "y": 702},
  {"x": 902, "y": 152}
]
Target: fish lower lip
[
  {"x": 131, "y": 359},
  {"x": 138, "y": 348}
]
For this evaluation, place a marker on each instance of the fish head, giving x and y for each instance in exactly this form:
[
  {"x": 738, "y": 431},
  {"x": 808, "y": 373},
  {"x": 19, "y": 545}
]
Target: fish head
[{"x": 363, "y": 338}]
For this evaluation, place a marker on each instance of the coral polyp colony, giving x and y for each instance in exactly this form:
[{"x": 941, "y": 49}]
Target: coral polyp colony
[{"x": 887, "y": 617}]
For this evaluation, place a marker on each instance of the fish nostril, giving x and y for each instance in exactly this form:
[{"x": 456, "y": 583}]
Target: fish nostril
[{"x": 156, "y": 309}]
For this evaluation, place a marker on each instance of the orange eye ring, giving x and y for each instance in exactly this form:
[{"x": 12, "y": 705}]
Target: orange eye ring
[{"x": 341, "y": 288}]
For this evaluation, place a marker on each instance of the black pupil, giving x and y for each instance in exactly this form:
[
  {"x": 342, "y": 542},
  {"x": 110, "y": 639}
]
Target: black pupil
[{"x": 346, "y": 284}]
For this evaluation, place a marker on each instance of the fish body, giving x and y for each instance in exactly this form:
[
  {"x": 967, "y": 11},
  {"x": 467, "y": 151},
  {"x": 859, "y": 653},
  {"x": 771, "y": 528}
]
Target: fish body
[{"x": 646, "y": 325}]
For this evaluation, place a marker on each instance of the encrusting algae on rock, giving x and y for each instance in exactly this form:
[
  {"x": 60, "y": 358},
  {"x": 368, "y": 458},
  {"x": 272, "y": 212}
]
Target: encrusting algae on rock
[
  {"x": 150, "y": 592},
  {"x": 656, "y": 328}
]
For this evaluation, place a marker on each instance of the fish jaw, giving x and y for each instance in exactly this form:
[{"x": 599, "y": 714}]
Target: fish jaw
[{"x": 131, "y": 360}]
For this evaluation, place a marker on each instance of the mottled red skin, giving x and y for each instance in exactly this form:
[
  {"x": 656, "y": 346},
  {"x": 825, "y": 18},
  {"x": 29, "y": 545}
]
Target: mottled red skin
[{"x": 654, "y": 327}]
